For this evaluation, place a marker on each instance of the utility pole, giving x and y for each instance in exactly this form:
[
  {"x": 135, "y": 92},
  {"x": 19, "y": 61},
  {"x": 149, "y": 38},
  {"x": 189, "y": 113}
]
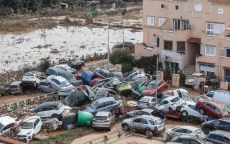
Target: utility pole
[{"x": 156, "y": 80}]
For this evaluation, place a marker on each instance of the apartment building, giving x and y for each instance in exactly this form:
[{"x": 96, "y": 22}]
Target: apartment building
[{"x": 188, "y": 33}]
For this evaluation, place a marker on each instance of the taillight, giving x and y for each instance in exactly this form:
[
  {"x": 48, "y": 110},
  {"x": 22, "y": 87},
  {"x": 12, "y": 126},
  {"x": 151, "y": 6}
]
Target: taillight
[
  {"x": 17, "y": 88},
  {"x": 106, "y": 121},
  {"x": 155, "y": 128}
]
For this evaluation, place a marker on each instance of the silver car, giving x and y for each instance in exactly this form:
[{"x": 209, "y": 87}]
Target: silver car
[
  {"x": 59, "y": 83},
  {"x": 137, "y": 113},
  {"x": 103, "y": 119},
  {"x": 145, "y": 124},
  {"x": 43, "y": 87},
  {"x": 146, "y": 102}
]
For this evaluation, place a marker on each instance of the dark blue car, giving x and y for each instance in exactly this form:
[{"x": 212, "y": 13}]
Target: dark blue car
[
  {"x": 87, "y": 77},
  {"x": 104, "y": 104}
]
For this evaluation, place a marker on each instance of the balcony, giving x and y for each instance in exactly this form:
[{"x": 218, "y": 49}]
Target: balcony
[{"x": 178, "y": 35}]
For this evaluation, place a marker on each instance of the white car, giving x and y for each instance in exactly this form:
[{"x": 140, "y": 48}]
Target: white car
[
  {"x": 30, "y": 78},
  {"x": 6, "y": 123},
  {"x": 189, "y": 81},
  {"x": 170, "y": 103},
  {"x": 29, "y": 128},
  {"x": 50, "y": 109},
  {"x": 136, "y": 75},
  {"x": 183, "y": 130},
  {"x": 182, "y": 93},
  {"x": 189, "y": 109},
  {"x": 146, "y": 102},
  {"x": 66, "y": 68}
]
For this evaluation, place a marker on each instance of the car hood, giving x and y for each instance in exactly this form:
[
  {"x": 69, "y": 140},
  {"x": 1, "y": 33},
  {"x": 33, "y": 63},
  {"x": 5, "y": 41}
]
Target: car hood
[
  {"x": 160, "y": 107},
  {"x": 189, "y": 80},
  {"x": 24, "y": 131},
  {"x": 90, "y": 109},
  {"x": 149, "y": 92}
]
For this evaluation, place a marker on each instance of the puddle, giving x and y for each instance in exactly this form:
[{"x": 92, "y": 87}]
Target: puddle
[{"x": 60, "y": 42}]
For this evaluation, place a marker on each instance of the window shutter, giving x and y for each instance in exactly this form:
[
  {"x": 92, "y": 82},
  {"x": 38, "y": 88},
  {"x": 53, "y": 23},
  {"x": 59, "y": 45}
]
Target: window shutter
[{"x": 223, "y": 52}]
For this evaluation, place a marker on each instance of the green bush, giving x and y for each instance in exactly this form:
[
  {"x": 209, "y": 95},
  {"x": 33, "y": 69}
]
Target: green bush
[
  {"x": 121, "y": 56},
  {"x": 126, "y": 67}
]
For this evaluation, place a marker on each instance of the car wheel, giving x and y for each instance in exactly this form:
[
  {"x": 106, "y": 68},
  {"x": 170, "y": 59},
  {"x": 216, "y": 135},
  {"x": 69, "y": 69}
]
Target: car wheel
[
  {"x": 148, "y": 133},
  {"x": 55, "y": 116},
  {"x": 49, "y": 85},
  {"x": 201, "y": 110},
  {"x": 184, "y": 113},
  {"x": 125, "y": 127}
]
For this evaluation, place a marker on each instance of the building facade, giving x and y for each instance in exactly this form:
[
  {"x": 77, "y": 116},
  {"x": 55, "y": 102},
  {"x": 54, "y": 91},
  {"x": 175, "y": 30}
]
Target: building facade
[{"x": 188, "y": 33}]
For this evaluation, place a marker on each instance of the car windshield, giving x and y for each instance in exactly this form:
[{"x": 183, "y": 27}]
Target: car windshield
[
  {"x": 101, "y": 93},
  {"x": 145, "y": 100},
  {"x": 27, "y": 125},
  {"x": 28, "y": 74},
  {"x": 94, "y": 105},
  {"x": 67, "y": 67},
  {"x": 151, "y": 85},
  {"x": 1, "y": 126},
  {"x": 65, "y": 83},
  {"x": 101, "y": 118}
]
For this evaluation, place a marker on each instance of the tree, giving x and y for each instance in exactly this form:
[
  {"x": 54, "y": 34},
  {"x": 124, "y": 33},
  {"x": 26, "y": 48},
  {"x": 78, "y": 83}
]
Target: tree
[
  {"x": 121, "y": 56},
  {"x": 44, "y": 64}
]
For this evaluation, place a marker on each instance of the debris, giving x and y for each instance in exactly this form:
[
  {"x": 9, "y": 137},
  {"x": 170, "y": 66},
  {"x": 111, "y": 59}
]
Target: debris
[{"x": 51, "y": 124}]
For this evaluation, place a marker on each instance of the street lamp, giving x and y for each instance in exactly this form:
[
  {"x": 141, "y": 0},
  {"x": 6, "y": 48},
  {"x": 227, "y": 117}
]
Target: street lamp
[
  {"x": 122, "y": 25},
  {"x": 108, "y": 32}
]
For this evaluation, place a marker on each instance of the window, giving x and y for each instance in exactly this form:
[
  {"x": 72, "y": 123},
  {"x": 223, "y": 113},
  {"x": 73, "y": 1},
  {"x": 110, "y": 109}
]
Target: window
[
  {"x": 151, "y": 122},
  {"x": 176, "y": 7},
  {"x": 210, "y": 50},
  {"x": 176, "y": 24},
  {"x": 150, "y": 21},
  {"x": 168, "y": 45},
  {"x": 175, "y": 99},
  {"x": 225, "y": 52},
  {"x": 180, "y": 46},
  {"x": 163, "y": 6},
  {"x": 138, "y": 120},
  {"x": 192, "y": 107},
  {"x": 162, "y": 21},
  {"x": 194, "y": 142},
  {"x": 214, "y": 28},
  {"x": 158, "y": 42},
  {"x": 211, "y": 106},
  {"x": 144, "y": 121}
]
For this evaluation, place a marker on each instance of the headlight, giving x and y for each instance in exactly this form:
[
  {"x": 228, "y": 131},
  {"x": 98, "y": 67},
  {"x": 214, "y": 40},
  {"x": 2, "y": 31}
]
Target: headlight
[{"x": 28, "y": 133}]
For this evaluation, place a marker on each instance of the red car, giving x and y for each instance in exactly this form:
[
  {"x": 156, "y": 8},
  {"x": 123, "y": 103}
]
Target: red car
[
  {"x": 150, "y": 89},
  {"x": 93, "y": 82},
  {"x": 211, "y": 108}
]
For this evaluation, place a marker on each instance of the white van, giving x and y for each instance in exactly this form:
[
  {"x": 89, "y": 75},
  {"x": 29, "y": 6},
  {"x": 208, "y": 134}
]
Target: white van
[{"x": 222, "y": 97}]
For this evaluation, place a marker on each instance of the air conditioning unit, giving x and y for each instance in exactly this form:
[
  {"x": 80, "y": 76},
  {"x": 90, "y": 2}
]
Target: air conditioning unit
[
  {"x": 190, "y": 26},
  {"x": 154, "y": 44}
]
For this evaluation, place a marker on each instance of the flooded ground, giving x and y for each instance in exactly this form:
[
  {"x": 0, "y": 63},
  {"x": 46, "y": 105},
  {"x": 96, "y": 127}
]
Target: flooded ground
[{"x": 60, "y": 42}]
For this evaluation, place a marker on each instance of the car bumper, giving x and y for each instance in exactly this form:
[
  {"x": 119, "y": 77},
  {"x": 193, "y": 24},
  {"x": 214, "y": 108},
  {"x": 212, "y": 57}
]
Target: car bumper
[
  {"x": 101, "y": 125},
  {"x": 14, "y": 92},
  {"x": 29, "y": 83},
  {"x": 188, "y": 84},
  {"x": 24, "y": 137}
]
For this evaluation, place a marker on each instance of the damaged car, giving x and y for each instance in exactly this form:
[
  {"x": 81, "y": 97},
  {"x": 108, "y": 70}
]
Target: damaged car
[
  {"x": 220, "y": 124},
  {"x": 182, "y": 130},
  {"x": 77, "y": 98},
  {"x": 29, "y": 128},
  {"x": 6, "y": 123},
  {"x": 124, "y": 88},
  {"x": 171, "y": 104}
]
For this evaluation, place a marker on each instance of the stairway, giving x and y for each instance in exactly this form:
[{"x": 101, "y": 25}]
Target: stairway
[{"x": 188, "y": 70}]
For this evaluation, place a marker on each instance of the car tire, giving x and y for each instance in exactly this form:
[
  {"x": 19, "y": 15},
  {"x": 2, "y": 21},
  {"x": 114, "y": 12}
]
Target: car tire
[
  {"x": 55, "y": 116},
  {"x": 202, "y": 111},
  {"x": 49, "y": 85},
  {"x": 125, "y": 127},
  {"x": 148, "y": 133},
  {"x": 184, "y": 113}
]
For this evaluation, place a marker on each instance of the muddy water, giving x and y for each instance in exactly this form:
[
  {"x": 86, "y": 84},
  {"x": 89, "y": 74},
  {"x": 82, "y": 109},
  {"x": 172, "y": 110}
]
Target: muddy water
[{"x": 17, "y": 51}]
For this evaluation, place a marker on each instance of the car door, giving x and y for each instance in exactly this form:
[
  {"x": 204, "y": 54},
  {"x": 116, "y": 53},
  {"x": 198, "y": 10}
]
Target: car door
[
  {"x": 109, "y": 105},
  {"x": 210, "y": 110},
  {"x": 166, "y": 104},
  {"x": 137, "y": 124},
  {"x": 56, "y": 84},
  {"x": 178, "y": 132},
  {"x": 216, "y": 139},
  {"x": 160, "y": 86},
  {"x": 36, "y": 126},
  {"x": 7, "y": 128},
  {"x": 192, "y": 111},
  {"x": 40, "y": 112}
]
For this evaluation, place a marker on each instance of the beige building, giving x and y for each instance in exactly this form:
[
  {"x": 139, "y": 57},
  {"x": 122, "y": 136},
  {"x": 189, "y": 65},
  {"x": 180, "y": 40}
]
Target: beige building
[{"x": 188, "y": 33}]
